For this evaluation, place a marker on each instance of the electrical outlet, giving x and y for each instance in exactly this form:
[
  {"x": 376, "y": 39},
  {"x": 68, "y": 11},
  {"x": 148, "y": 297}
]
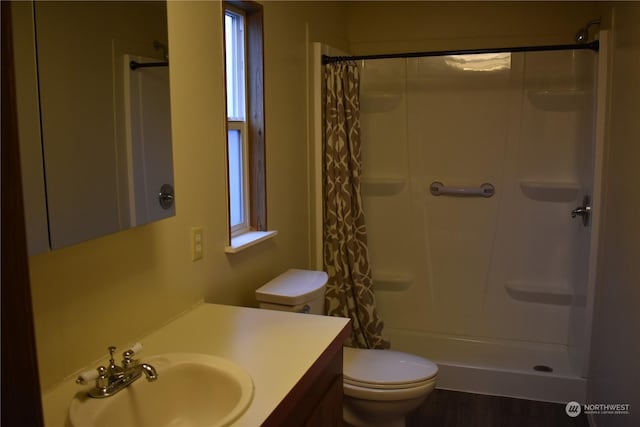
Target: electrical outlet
[{"x": 196, "y": 243}]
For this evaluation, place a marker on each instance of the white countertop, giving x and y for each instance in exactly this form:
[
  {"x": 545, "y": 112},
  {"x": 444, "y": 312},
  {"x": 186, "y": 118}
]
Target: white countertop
[{"x": 276, "y": 348}]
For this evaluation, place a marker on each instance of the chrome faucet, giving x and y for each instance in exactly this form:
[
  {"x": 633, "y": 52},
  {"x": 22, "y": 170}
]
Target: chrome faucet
[{"x": 112, "y": 379}]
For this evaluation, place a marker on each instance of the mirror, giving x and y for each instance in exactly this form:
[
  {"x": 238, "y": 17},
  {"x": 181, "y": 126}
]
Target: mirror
[{"x": 95, "y": 133}]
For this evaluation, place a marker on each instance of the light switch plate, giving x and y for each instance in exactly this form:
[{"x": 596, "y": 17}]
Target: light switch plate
[{"x": 196, "y": 243}]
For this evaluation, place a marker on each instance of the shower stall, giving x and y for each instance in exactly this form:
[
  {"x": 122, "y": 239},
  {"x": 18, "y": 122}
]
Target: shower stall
[{"x": 481, "y": 187}]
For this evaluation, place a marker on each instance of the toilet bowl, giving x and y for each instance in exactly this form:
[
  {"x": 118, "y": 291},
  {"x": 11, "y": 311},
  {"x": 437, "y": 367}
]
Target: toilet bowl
[{"x": 380, "y": 386}]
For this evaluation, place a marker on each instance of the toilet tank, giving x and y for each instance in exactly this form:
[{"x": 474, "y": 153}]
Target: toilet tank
[{"x": 294, "y": 290}]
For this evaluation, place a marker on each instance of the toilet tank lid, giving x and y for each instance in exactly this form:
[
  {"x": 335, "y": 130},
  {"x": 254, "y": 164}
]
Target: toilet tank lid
[{"x": 293, "y": 287}]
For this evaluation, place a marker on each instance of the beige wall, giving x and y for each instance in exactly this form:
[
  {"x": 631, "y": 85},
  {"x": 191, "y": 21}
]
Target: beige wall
[
  {"x": 380, "y": 27},
  {"x": 615, "y": 348},
  {"x": 114, "y": 289}
]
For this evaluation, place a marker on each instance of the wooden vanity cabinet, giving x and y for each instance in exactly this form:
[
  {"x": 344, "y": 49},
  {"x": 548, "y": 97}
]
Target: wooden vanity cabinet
[
  {"x": 316, "y": 400},
  {"x": 328, "y": 411}
]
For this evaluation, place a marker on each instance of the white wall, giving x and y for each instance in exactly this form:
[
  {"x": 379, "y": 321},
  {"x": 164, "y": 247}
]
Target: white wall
[{"x": 615, "y": 350}]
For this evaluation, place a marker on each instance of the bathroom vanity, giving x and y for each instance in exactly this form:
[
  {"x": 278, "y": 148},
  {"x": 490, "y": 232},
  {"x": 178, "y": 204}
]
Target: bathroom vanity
[
  {"x": 316, "y": 399},
  {"x": 294, "y": 360}
]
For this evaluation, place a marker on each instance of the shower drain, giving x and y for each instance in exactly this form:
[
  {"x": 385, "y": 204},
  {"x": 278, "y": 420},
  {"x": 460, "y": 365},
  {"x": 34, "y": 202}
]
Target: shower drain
[{"x": 543, "y": 368}]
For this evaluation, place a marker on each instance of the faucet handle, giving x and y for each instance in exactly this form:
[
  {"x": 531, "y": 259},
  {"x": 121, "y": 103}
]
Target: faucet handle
[
  {"x": 136, "y": 348},
  {"x": 93, "y": 374},
  {"x": 99, "y": 374},
  {"x": 87, "y": 376},
  {"x": 127, "y": 355},
  {"x": 103, "y": 378}
]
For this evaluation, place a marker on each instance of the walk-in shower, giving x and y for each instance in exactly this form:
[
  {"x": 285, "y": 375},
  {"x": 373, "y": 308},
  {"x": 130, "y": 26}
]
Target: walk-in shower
[{"x": 473, "y": 164}]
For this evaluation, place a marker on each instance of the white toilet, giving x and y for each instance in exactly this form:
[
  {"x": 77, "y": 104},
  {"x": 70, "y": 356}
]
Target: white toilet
[{"x": 380, "y": 386}]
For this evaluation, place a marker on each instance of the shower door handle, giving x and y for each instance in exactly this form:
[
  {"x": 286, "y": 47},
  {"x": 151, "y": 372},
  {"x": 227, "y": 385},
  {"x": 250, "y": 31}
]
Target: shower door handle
[{"x": 583, "y": 211}]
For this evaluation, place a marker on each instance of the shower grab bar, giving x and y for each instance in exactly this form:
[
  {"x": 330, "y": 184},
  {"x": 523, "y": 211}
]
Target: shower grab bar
[{"x": 439, "y": 189}]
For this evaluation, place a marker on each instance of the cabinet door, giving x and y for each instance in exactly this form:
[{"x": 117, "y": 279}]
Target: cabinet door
[{"x": 328, "y": 412}]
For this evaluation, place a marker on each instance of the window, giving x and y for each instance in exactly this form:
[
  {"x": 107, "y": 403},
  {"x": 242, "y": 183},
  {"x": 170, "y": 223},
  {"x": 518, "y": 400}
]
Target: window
[
  {"x": 237, "y": 146},
  {"x": 245, "y": 121}
]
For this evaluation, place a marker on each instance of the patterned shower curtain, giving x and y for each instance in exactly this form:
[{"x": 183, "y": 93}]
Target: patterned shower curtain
[{"x": 345, "y": 253}]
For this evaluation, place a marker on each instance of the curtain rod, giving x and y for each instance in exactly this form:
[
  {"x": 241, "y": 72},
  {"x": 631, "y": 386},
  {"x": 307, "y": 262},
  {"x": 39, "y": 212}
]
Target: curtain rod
[
  {"x": 594, "y": 45},
  {"x": 135, "y": 65}
]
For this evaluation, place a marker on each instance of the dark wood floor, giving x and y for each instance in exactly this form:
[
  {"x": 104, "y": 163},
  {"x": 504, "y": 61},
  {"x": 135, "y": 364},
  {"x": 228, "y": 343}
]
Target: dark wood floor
[{"x": 446, "y": 408}]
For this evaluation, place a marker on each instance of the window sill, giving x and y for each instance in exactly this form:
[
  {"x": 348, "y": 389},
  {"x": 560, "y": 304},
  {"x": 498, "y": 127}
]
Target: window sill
[{"x": 246, "y": 240}]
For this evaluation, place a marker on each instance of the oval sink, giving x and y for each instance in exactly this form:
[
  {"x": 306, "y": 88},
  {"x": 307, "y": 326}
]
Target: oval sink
[{"x": 191, "y": 390}]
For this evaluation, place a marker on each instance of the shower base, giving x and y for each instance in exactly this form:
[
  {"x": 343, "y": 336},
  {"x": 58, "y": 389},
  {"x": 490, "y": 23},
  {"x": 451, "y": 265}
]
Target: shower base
[{"x": 496, "y": 367}]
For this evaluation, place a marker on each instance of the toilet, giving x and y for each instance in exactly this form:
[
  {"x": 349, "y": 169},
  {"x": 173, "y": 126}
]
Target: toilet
[{"x": 380, "y": 386}]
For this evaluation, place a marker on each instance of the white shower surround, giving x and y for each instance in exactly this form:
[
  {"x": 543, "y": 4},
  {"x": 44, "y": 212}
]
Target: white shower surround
[{"x": 495, "y": 317}]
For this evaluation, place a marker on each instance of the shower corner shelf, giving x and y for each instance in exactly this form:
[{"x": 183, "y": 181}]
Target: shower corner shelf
[
  {"x": 539, "y": 293},
  {"x": 550, "y": 191},
  {"x": 382, "y": 186},
  {"x": 556, "y": 99},
  {"x": 391, "y": 283}
]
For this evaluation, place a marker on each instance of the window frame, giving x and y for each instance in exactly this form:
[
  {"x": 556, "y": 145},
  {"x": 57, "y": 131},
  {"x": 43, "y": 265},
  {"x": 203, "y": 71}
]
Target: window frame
[
  {"x": 238, "y": 121},
  {"x": 253, "y": 134},
  {"x": 238, "y": 12},
  {"x": 244, "y": 226}
]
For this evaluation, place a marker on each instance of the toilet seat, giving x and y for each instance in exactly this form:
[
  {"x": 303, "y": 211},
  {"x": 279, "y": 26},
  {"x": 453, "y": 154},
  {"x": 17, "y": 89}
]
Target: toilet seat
[
  {"x": 365, "y": 384},
  {"x": 386, "y": 369},
  {"x": 389, "y": 395}
]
